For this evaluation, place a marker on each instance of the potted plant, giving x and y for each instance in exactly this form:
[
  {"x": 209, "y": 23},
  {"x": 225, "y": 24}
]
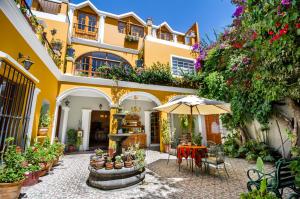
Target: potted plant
[
  {"x": 44, "y": 123},
  {"x": 11, "y": 171},
  {"x": 197, "y": 139},
  {"x": 97, "y": 162},
  {"x": 32, "y": 166},
  {"x": 139, "y": 158},
  {"x": 131, "y": 38},
  {"x": 109, "y": 164},
  {"x": 118, "y": 162},
  {"x": 128, "y": 162},
  {"x": 166, "y": 136},
  {"x": 70, "y": 52},
  {"x": 56, "y": 44},
  {"x": 71, "y": 140},
  {"x": 99, "y": 152}
]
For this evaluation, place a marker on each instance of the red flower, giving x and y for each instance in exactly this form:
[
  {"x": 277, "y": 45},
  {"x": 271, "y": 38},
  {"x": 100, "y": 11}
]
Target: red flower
[
  {"x": 286, "y": 26},
  {"x": 298, "y": 25},
  {"x": 277, "y": 24},
  {"x": 237, "y": 45},
  {"x": 271, "y": 32},
  {"x": 254, "y": 36}
]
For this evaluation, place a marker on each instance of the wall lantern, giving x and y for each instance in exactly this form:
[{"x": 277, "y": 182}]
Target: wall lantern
[
  {"x": 100, "y": 106},
  {"x": 27, "y": 63},
  {"x": 67, "y": 102}
]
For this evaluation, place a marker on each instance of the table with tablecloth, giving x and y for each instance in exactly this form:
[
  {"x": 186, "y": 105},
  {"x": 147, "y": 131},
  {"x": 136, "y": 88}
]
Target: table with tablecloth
[{"x": 194, "y": 152}]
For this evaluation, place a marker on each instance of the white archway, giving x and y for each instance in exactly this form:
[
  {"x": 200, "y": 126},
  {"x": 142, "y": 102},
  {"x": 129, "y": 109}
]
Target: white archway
[
  {"x": 143, "y": 94},
  {"x": 77, "y": 90},
  {"x": 84, "y": 89}
]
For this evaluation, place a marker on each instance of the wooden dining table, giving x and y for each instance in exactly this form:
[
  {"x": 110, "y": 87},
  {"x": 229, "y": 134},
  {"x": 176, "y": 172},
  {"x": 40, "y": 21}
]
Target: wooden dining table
[{"x": 194, "y": 152}]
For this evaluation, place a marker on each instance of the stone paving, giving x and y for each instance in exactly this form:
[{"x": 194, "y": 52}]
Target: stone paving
[{"x": 68, "y": 180}]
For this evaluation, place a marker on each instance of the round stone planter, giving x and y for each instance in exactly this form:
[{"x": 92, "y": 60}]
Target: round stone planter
[{"x": 115, "y": 178}]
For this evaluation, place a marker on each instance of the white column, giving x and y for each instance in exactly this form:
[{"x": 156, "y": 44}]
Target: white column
[
  {"x": 101, "y": 29},
  {"x": 172, "y": 123},
  {"x": 85, "y": 126},
  {"x": 54, "y": 123},
  {"x": 64, "y": 124},
  {"x": 154, "y": 33},
  {"x": 202, "y": 128},
  {"x": 70, "y": 32},
  {"x": 175, "y": 38},
  {"x": 148, "y": 126},
  {"x": 32, "y": 113}
]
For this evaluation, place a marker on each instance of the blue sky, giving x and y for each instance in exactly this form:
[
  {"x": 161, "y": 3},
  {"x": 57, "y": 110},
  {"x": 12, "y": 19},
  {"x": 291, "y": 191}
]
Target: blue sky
[{"x": 180, "y": 14}]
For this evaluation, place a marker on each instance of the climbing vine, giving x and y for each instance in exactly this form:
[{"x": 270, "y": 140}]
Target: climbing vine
[{"x": 255, "y": 62}]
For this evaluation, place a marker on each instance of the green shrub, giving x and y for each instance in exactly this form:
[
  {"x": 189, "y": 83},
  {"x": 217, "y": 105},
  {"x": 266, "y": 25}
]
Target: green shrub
[
  {"x": 231, "y": 147},
  {"x": 72, "y": 137}
]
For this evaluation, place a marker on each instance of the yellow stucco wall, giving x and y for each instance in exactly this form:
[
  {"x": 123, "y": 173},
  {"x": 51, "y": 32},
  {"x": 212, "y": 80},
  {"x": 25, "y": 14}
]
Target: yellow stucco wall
[
  {"x": 156, "y": 52},
  {"x": 11, "y": 42}
]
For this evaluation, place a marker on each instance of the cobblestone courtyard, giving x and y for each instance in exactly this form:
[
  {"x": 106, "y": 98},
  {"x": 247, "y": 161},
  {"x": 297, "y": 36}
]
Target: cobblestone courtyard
[{"x": 68, "y": 180}]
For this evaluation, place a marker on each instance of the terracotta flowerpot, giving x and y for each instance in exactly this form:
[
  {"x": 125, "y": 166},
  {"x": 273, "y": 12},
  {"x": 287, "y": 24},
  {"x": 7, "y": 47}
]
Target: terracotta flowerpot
[
  {"x": 47, "y": 167},
  {"x": 98, "y": 164},
  {"x": 43, "y": 131},
  {"x": 31, "y": 178},
  {"x": 128, "y": 164},
  {"x": 109, "y": 165},
  {"x": 71, "y": 148},
  {"x": 55, "y": 161},
  {"x": 10, "y": 190},
  {"x": 167, "y": 148},
  {"x": 119, "y": 165}
]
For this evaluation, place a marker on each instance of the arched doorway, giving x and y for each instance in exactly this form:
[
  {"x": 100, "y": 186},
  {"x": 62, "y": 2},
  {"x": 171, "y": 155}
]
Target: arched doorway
[
  {"x": 90, "y": 63},
  {"x": 140, "y": 106},
  {"x": 86, "y": 110}
]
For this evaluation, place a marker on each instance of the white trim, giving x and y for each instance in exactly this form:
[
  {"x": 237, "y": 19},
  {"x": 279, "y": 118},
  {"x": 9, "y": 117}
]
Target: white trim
[
  {"x": 64, "y": 123},
  {"x": 109, "y": 82},
  {"x": 85, "y": 126},
  {"x": 103, "y": 45},
  {"x": 82, "y": 88},
  {"x": 55, "y": 17},
  {"x": 71, "y": 16},
  {"x": 101, "y": 29},
  {"x": 100, "y": 12},
  {"x": 165, "y": 42},
  {"x": 180, "y": 57},
  {"x": 54, "y": 126},
  {"x": 32, "y": 113},
  {"x": 14, "y": 15},
  {"x": 12, "y": 61},
  {"x": 144, "y": 94}
]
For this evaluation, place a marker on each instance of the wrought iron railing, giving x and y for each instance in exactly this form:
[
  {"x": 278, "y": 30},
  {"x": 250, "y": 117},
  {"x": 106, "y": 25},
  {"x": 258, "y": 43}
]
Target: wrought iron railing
[
  {"x": 33, "y": 22},
  {"x": 49, "y": 6},
  {"x": 85, "y": 31},
  {"x": 16, "y": 93}
]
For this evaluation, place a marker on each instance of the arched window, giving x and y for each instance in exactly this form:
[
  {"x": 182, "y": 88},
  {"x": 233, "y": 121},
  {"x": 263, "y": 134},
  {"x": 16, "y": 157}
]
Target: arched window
[{"x": 87, "y": 64}]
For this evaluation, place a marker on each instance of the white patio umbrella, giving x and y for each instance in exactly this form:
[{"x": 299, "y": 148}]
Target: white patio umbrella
[{"x": 194, "y": 105}]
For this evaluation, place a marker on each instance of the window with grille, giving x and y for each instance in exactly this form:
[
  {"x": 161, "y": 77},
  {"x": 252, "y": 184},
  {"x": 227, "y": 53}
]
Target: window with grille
[{"x": 182, "y": 66}]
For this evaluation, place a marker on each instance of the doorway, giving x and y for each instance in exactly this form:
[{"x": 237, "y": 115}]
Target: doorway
[
  {"x": 99, "y": 130},
  {"x": 155, "y": 138},
  {"x": 210, "y": 122}
]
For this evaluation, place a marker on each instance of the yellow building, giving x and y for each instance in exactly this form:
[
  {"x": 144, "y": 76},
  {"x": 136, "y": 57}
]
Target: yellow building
[{"x": 68, "y": 44}]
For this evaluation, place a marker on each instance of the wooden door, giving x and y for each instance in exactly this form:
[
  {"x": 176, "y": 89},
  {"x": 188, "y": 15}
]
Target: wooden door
[{"x": 211, "y": 122}]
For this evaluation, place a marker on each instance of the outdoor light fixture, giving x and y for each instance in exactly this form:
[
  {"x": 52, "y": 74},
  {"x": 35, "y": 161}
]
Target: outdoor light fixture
[
  {"x": 135, "y": 108},
  {"x": 67, "y": 102},
  {"x": 100, "y": 106},
  {"x": 27, "y": 63}
]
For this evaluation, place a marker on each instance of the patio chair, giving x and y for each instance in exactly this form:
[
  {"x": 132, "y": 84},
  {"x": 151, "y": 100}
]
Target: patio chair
[{"x": 215, "y": 158}]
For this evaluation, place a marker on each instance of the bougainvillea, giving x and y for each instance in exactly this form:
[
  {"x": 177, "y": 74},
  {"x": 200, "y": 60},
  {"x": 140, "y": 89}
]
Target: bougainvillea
[{"x": 255, "y": 63}]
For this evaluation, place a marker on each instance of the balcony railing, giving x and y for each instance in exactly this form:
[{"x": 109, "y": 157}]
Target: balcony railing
[
  {"x": 37, "y": 29},
  {"x": 48, "y": 7},
  {"x": 85, "y": 31},
  {"x": 85, "y": 70}
]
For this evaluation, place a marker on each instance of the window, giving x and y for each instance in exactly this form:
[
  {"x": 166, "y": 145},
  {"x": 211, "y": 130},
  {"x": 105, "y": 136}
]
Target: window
[
  {"x": 122, "y": 27},
  {"x": 87, "y": 20},
  {"x": 88, "y": 64},
  {"x": 165, "y": 36},
  {"x": 133, "y": 30},
  {"x": 137, "y": 31},
  {"x": 182, "y": 66}
]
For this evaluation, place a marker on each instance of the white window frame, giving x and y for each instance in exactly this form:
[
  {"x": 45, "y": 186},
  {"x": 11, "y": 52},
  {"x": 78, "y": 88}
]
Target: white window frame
[{"x": 180, "y": 57}]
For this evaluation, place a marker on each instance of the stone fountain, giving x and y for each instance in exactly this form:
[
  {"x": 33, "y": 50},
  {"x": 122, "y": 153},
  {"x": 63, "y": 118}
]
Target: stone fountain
[{"x": 116, "y": 178}]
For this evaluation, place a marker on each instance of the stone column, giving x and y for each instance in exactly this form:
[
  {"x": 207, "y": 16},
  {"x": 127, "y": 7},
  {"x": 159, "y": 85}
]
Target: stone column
[
  {"x": 70, "y": 31},
  {"x": 148, "y": 126},
  {"x": 54, "y": 121},
  {"x": 112, "y": 125},
  {"x": 202, "y": 128},
  {"x": 163, "y": 116},
  {"x": 101, "y": 29},
  {"x": 85, "y": 126},
  {"x": 175, "y": 38},
  {"x": 64, "y": 123},
  {"x": 32, "y": 113}
]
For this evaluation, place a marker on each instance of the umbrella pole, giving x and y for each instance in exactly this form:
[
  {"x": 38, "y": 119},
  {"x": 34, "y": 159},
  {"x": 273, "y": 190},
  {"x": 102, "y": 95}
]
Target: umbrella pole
[{"x": 191, "y": 121}]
